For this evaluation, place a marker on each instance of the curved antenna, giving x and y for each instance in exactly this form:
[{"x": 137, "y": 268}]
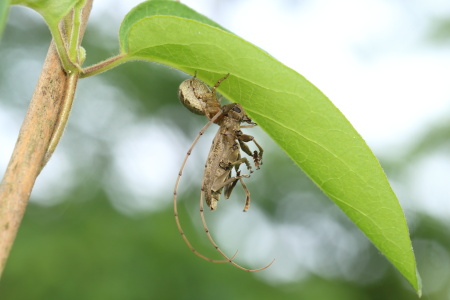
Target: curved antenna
[
  {"x": 177, "y": 220},
  {"x": 228, "y": 259}
]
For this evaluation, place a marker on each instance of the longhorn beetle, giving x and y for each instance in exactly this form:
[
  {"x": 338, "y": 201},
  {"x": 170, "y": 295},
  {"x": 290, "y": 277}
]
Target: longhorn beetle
[{"x": 224, "y": 155}]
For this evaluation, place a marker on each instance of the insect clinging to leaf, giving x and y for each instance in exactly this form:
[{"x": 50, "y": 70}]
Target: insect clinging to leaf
[{"x": 224, "y": 155}]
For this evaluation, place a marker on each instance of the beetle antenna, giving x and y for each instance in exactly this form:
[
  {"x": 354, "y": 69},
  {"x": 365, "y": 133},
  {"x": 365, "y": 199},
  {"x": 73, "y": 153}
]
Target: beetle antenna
[{"x": 177, "y": 219}]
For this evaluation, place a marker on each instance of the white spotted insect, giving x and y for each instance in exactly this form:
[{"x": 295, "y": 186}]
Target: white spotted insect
[
  {"x": 196, "y": 96},
  {"x": 224, "y": 155}
]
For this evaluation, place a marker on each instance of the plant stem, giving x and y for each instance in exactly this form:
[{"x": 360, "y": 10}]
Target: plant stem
[
  {"x": 61, "y": 48},
  {"x": 63, "y": 116},
  {"x": 75, "y": 32},
  {"x": 40, "y": 132},
  {"x": 30, "y": 149},
  {"x": 104, "y": 65}
]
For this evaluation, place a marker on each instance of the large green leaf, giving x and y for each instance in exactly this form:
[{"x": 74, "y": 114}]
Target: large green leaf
[{"x": 298, "y": 116}]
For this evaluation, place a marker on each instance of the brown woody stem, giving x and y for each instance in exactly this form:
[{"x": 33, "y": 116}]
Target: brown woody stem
[
  {"x": 31, "y": 147},
  {"x": 44, "y": 122}
]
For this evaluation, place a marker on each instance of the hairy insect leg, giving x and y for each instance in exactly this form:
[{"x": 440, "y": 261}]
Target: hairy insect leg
[
  {"x": 212, "y": 103},
  {"x": 216, "y": 189},
  {"x": 229, "y": 259},
  {"x": 230, "y": 183},
  {"x": 244, "y": 147},
  {"x": 228, "y": 189},
  {"x": 257, "y": 156},
  {"x": 237, "y": 163},
  {"x": 247, "y": 193},
  {"x": 240, "y": 161},
  {"x": 177, "y": 220},
  {"x": 219, "y": 82},
  {"x": 248, "y": 126}
]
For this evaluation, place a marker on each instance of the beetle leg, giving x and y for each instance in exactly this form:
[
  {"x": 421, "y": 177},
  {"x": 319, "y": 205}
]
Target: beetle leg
[
  {"x": 218, "y": 82},
  {"x": 242, "y": 160},
  {"x": 247, "y": 193},
  {"x": 257, "y": 156},
  {"x": 228, "y": 189},
  {"x": 229, "y": 181}
]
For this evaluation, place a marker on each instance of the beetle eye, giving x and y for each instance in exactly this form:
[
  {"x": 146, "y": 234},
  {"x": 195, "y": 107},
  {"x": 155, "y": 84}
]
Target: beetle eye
[{"x": 236, "y": 109}]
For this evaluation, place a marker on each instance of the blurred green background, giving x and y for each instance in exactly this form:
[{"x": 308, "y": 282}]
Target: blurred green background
[{"x": 100, "y": 220}]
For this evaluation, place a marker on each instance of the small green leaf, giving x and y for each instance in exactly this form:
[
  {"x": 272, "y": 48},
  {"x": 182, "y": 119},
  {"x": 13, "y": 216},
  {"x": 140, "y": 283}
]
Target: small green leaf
[
  {"x": 4, "y": 7},
  {"x": 51, "y": 10},
  {"x": 298, "y": 116}
]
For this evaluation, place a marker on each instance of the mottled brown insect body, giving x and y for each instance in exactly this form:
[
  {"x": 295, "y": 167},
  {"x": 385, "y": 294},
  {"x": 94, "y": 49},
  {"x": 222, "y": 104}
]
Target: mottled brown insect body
[
  {"x": 196, "y": 96},
  {"x": 225, "y": 155},
  {"x": 189, "y": 92}
]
